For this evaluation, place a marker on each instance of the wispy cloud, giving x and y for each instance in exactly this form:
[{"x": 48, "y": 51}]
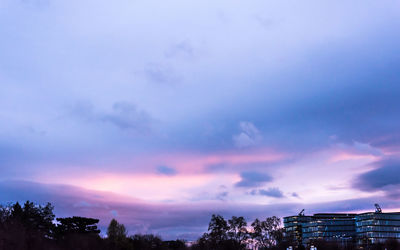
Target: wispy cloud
[
  {"x": 182, "y": 49},
  {"x": 123, "y": 115},
  {"x": 161, "y": 73},
  {"x": 249, "y": 135}
]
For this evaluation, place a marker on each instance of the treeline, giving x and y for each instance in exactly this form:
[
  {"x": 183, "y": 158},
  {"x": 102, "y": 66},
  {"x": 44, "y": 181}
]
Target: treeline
[
  {"x": 35, "y": 227},
  {"x": 235, "y": 233}
]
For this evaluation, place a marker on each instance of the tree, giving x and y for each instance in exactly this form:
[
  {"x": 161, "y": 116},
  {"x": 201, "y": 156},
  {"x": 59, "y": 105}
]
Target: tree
[
  {"x": 16, "y": 211},
  {"x": 175, "y": 244},
  {"x": 39, "y": 218},
  {"x": 79, "y": 233},
  {"x": 5, "y": 214},
  {"x": 217, "y": 236},
  {"x": 146, "y": 242},
  {"x": 237, "y": 230},
  {"x": 267, "y": 233},
  {"x": 35, "y": 218},
  {"x": 77, "y": 225},
  {"x": 116, "y": 234},
  {"x": 26, "y": 227},
  {"x": 116, "y": 231},
  {"x": 218, "y": 228},
  {"x": 32, "y": 226}
]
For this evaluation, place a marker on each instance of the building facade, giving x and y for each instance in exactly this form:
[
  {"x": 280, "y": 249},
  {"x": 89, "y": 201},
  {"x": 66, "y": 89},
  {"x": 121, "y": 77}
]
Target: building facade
[
  {"x": 330, "y": 226},
  {"x": 294, "y": 226},
  {"x": 364, "y": 228},
  {"x": 377, "y": 227}
]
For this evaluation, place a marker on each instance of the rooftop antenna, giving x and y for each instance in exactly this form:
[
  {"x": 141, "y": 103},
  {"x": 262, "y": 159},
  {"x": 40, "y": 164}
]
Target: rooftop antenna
[
  {"x": 377, "y": 208},
  {"x": 301, "y": 212}
]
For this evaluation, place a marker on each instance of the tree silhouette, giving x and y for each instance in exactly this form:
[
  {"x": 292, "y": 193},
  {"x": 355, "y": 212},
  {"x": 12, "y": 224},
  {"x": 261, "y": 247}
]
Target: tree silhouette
[
  {"x": 79, "y": 233},
  {"x": 116, "y": 231},
  {"x": 27, "y": 227},
  {"x": 147, "y": 242},
  {"x": 16, "y": 211},
  {"x": 32, "y": 227},
  {"x": 116, "y": 235},
  {"x": 218, "y": 228},
  {"x": 267, "y": 233},
  {"x": 77, "y": 225},
  {"x": 237, "y": 230},
  {"x": 38, "y": 218},
  {"x": 223, "y": 235}
]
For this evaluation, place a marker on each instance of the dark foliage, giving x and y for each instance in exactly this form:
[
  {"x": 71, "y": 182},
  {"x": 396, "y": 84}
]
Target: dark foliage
[
  {"x": 78, "y": 233},
  {"x": 27, "y": 227},
  {"x": 267, "y": 233},
  {"x": 77, "y": 225},
  {"x": 234, "y": 234},
  {"x": 34, "y": 227}
]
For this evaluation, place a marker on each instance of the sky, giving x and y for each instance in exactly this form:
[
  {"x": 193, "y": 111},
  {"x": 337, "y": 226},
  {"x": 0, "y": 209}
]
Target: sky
[{"x": 161, "y": 113}]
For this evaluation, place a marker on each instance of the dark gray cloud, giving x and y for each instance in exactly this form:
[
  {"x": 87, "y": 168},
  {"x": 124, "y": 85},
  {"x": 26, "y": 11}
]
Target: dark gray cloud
[
  {"x": 384, "y": 177},
  {"x": 165, "y": 170},
  {"x": 271, "y": 192},
  {"x": 253, "y": 179}
]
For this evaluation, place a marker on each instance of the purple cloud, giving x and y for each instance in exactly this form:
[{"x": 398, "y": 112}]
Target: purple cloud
[
  {"x": 383, "y": 177},
  {"x": 253, "y": 179},
  {"x": 165, "y": 170},
  {"x": 271, "y": 192}
]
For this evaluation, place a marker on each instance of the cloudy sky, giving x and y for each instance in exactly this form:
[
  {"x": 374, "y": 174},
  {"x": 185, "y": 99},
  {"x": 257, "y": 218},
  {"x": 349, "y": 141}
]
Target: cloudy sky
[{"x": 160, "y": 113}]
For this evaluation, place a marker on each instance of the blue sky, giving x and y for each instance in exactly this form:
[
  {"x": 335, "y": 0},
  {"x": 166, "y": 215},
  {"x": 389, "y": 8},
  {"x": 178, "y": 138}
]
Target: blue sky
[{"x": 259, "y": 108}]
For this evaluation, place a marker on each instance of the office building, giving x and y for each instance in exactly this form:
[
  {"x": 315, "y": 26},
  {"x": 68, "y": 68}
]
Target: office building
[
  {"x": 364, "y": 228},
  {"x": 377, "y": 227}
]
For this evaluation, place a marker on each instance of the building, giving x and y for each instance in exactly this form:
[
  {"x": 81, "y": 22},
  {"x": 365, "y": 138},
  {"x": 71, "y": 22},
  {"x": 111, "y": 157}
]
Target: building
[
  {"x": 330, "y": 226},
  {"x": 377, "y": 227},
  {"x": 294, "y": 226},
  {"x": 364, "y": 228}
]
